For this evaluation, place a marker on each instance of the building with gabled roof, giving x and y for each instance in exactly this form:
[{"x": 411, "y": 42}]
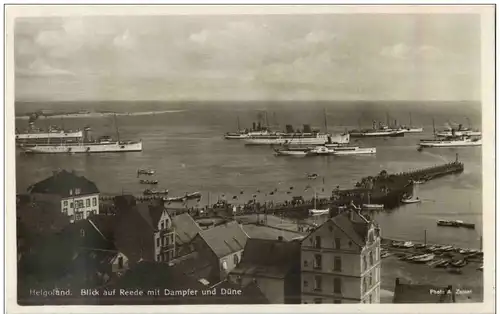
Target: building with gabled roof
[
  {"x": 185, "y": 231},
  {"x": 79, "y": 195},
  {"x": 274, "y": 265},
  {"x": 340, "y": 261},
  {"x": 223, "y": 246}
]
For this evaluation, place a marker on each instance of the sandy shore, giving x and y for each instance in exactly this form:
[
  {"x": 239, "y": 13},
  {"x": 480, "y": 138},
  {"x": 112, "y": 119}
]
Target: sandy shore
[{"x": 100, "y": 114}]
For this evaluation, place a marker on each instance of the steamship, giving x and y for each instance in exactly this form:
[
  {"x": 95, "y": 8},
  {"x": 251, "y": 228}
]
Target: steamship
[
  {"x": 380, "y": 131},
  {"x": 104, "y": 144},
  {"x": 305, "y": 137},
  {"x": 53, "y": 133}
]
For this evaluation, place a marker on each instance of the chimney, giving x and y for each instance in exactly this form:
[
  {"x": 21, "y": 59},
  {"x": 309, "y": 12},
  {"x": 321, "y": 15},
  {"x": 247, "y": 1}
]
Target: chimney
[
  {"x": 397, "y": 281},
  {"x": 280, "y": 238}
]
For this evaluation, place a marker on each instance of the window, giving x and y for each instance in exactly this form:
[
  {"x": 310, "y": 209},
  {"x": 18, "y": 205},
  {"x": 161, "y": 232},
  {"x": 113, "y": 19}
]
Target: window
[
  {"x": 337, "y": 264},
  {"x": 365, "y": 266},
  {"x": 236, "y": 259},
  {"x": 71, "y": 205},
  {"x": 350, "y": 243},
  {"x": 306, "y": 263},
  {"x": 365, "y": 285},
  {"x": 337, "y": 301},
  {"x": 157, "y": 241},
  {"x": 317, "y": 261},
  {"x": 94, "y": 201},
  {"x": 306, "y": 284},
  {"x": 317, "y": 243},
  {"x": 78, "y": 216},
  {"x": 82, "y": 233},
  {"x": 318, "y": 301},
  {"x": 87, "y": 202},
  {"x": 77, "y": 191},
  {"x": 120, "y": 262},
  {"x": 65, "y": 211},
  {"x": 370, "y": 280},
  {"x": 317, "y": 283},
  {"x": 65, "y": 203},
  {"x": 337, "y": 285},
  {"x": 371, "y": 258},
  {"x": 158, "y": 258},
  {"x": 162, "y": 225},
  {"x": 330, "y": 228},
  {"x": 370, "y": 299},
  {"x": 70, "y": 192},
  {"x": 337, "y": 243}
]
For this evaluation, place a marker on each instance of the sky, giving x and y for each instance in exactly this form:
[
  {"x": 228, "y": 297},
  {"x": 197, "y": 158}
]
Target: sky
[{"x": 248, "y": 57}]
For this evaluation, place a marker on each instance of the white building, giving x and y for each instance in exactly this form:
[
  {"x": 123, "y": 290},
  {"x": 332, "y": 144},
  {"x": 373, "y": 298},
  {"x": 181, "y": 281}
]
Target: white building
[
  {"x": 341, "y": 261},
  {"x": 79, "y": 196}
]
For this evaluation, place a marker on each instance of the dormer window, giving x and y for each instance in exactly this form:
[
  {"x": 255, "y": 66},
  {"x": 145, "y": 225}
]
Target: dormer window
[
  {"x": 71, "y": 192},
  {"x": 77, "y": 191}
]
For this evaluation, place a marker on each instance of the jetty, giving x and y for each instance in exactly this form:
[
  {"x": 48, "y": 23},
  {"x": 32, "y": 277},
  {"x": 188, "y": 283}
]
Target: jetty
[{"x": 385, "y": 189}]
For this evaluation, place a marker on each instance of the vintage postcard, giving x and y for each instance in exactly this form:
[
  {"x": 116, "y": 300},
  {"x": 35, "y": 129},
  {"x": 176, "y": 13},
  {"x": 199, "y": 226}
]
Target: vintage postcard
[{"x": 279, "y": 158}]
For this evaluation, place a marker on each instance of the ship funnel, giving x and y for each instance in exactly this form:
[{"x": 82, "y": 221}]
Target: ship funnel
[
  {"x": 307, "y": 128},
  {"x": 289, "y": 128},
  {"x": 253, "y": 126},
  {"x": 87, "y": 134}
]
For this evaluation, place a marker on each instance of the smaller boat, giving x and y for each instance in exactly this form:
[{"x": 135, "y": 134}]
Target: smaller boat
[
  {"x": 296, "y": 152},
  {"x": 319, "y": 212},
  {"x": 312, "y": 176},
  {"x": 424, "y": 258},
  {"x": 420, "y": 246},
  {"x": 408, "y": 244},
  {"x": 373, "y": 206},
  {"x": 411, "y": 201},
  {"x": 148, "y": 172},
  {"x": 148, "y": 181},
  {"x": 353, "y": 150},
  {"x": 455, "y": 223},
  {"x": 174, "y": 199},
  {"x": 459, "y": 263},
  {"x": 194, "y": 195},
  {"x": 397, "y": 244},
  {"x": 385, "y": 254},
  {"x": 154, "y": 192},
  {"x": 442, "y": 264}
]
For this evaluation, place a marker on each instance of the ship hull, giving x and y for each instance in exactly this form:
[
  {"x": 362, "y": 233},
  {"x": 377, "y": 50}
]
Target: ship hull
[
  {"x": 450, "y": 144},
  {"x": 458, "y": 133},
  {"x": 357, "y": 151},
  {"x": 291, "y": 153},
  {"x": 378, "y": 134},
  {"x": 414, "y": 130},
  {"x": 84, "y": 148},
  {"x": 318, "y": 140}
]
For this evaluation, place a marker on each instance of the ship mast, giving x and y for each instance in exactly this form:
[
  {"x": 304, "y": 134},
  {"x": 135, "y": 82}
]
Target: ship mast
[
  {"x": 238, "y": 121},
  {"x": 410, "y": 121},
  {"x": 433, "y": 127},
  {"x": 116, "y": 127},
  {"x": 326, "y": 125},
  {"x": 267, "y": 122}
]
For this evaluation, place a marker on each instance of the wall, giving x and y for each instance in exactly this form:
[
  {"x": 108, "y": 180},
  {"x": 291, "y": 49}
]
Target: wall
[
  {"x": 230, "y": 262},
  {"x": 68, "y": 205}
]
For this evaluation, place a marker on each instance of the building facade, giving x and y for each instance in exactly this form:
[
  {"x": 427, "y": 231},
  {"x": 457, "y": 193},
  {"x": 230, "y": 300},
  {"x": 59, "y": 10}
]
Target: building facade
[
  {"x": 340, "y": 261},
  {"x": 79, "y": 196},
  {"x": 164, "y": 238}
]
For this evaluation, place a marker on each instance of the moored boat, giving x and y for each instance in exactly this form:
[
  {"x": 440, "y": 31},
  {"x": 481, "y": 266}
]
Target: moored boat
[
  {"x": 155, "y": 192},
  {"x": 353, "y": 150},
  {"x": 424, "y": 258},
  {"x": 319, "y": 212},
  {"x": 148, "y": 182},
  {"x": 411, "y": 201},
  {"x": 373, "y": 206},
  {"x": 149, "y": 172},
  {"x": 455, "y": 223},
  {"x": 461, "y": 141}
]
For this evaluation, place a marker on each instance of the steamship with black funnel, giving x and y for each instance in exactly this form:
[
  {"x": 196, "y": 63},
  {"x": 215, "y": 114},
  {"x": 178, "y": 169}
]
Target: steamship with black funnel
[{"x": 104, "y": 144}]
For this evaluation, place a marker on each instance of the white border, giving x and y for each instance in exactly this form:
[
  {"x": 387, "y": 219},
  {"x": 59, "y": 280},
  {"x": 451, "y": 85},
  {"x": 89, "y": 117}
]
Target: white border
[{"x": 488, "y": 102}]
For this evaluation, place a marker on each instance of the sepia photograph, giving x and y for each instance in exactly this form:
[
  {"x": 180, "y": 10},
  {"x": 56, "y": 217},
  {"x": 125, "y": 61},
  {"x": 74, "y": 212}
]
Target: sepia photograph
[{"x": 320, "y": 155}]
